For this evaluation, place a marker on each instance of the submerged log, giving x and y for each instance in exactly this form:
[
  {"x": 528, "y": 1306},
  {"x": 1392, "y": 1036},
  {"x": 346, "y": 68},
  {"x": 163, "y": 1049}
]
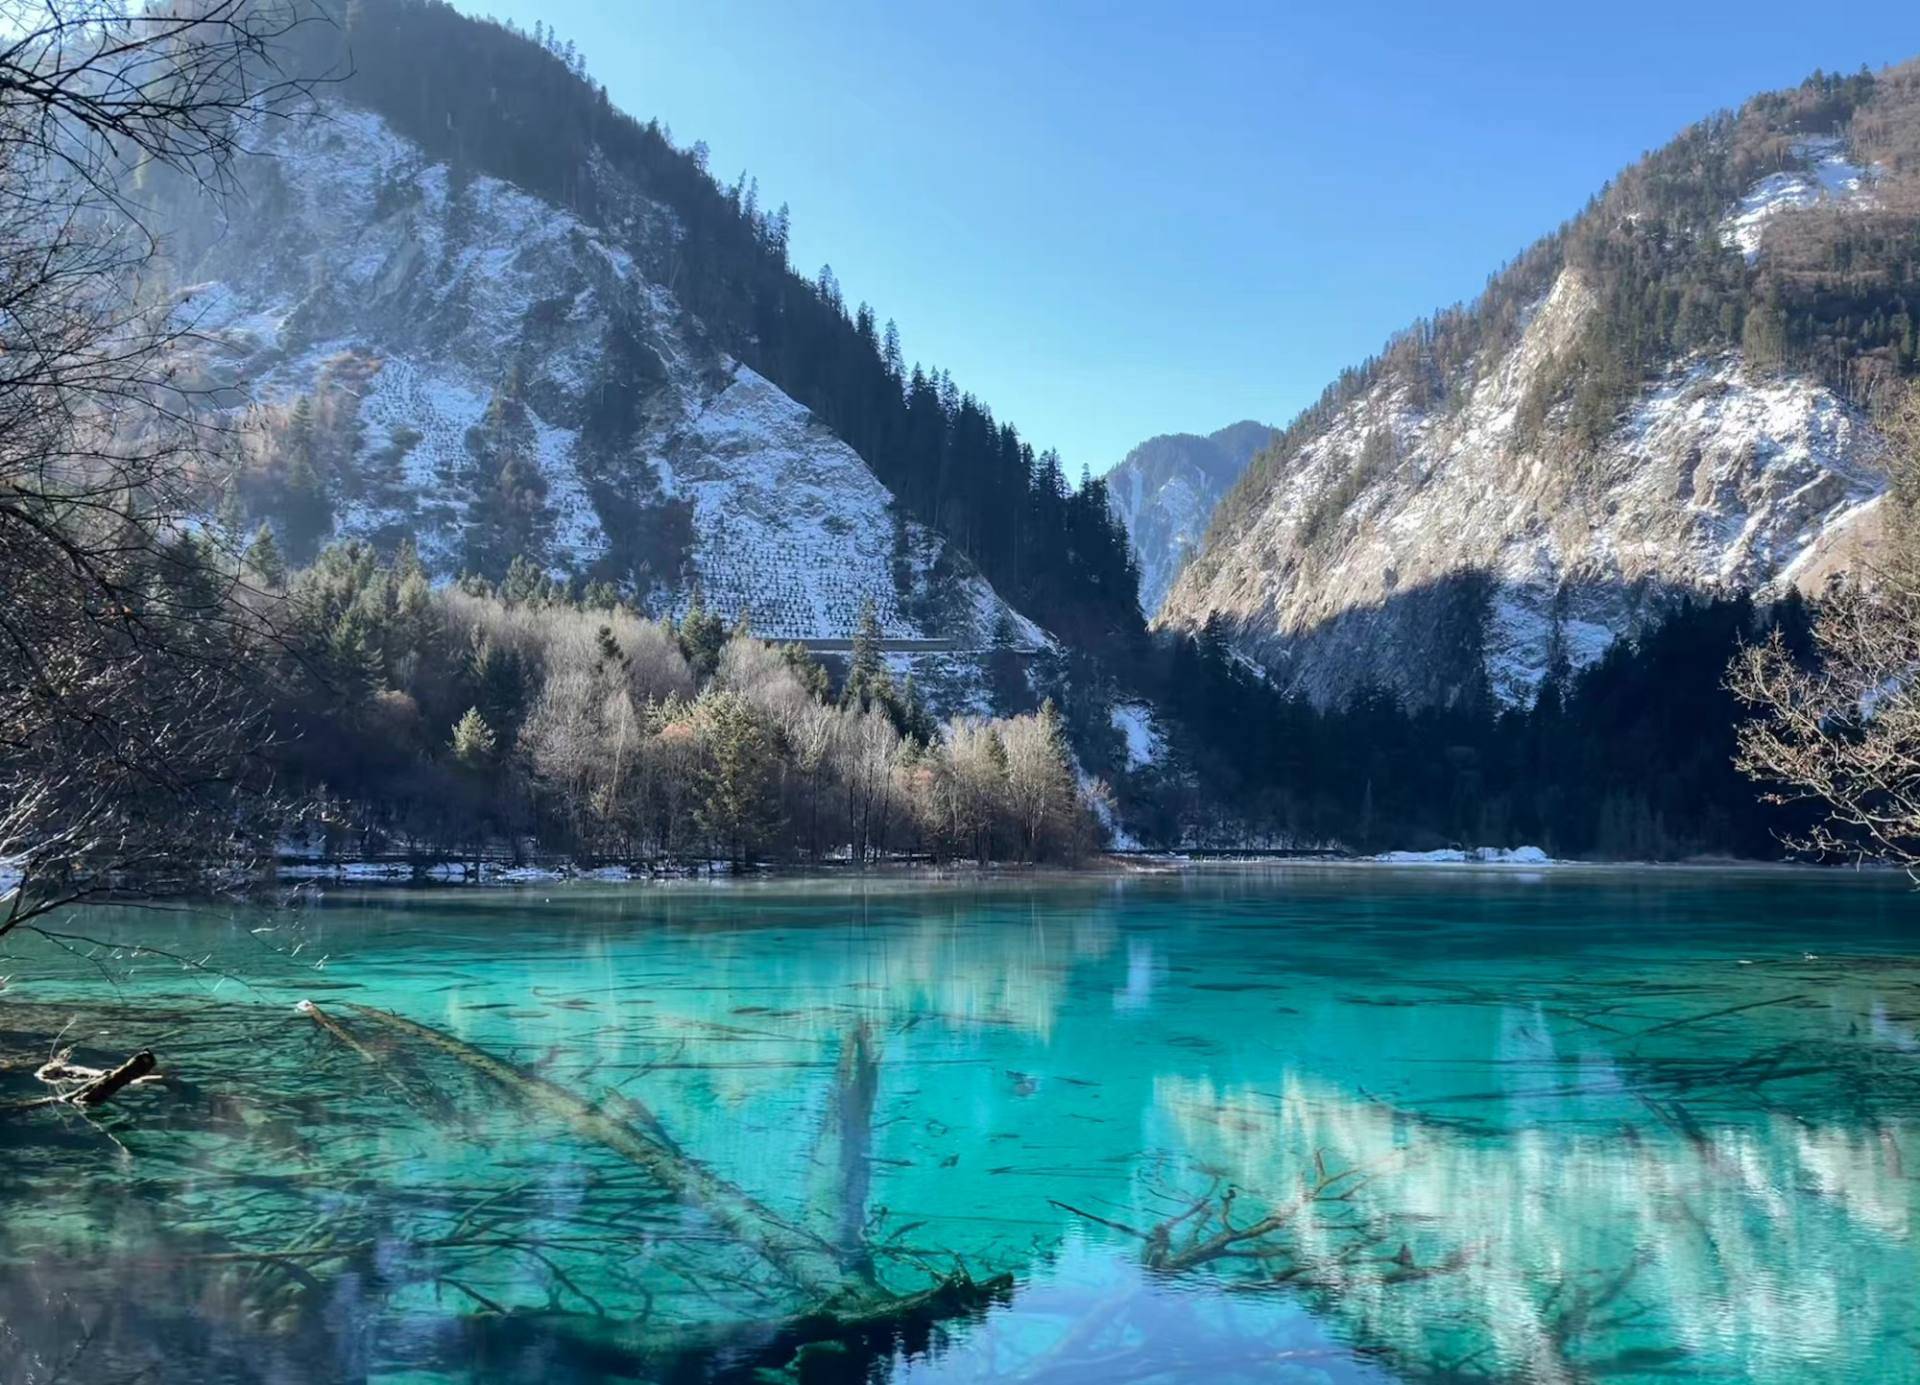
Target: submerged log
[
  {"x": 851, "y": 1316},
  {"x": 858, "y": 1086},
  {"x": 339, "y": 1031},
  {"x": 103, "y": 1088},
  {"x": 413, "y": 1093},
  {"x": 843, "y": 1339},
  {"x": 804, "y": 1260}
]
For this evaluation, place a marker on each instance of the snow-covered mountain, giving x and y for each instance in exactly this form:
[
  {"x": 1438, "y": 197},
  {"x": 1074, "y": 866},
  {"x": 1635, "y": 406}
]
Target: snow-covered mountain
[
  {"x": 1671, "y": 395},
  {"x": 444, "y": 350},
  {"x": 1164, "y": 491}
]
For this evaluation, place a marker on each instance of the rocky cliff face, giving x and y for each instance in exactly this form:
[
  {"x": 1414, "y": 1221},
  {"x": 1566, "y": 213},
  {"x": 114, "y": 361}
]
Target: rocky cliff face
[
  {"x": 452, "y": 359},
  {"x": 1164, "y": 491},
  {"x": 1437, "y": 540}
]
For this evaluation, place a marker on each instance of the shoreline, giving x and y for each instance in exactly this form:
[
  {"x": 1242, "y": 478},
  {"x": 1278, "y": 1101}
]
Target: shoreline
[{"x": 306, "y": 873}]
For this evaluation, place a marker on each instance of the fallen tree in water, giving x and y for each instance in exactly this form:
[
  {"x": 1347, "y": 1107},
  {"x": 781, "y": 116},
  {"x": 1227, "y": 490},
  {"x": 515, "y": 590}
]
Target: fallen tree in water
[
  {"x": 805, "y": 1261},
  {"x": 96, "y": 1086},
  {"x": 850, "y": 1315}
]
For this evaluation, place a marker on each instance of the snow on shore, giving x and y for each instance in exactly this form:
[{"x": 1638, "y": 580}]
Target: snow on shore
[{"x": 1478, "y": 856}]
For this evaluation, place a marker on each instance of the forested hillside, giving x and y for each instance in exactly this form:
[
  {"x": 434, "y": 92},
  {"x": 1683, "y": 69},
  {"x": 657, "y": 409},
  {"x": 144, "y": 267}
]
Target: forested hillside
[
  {"x": 1838, "y": 292},
  {"x": 1673, "y": 393},
  {"x": 491, "y": 100},
  {"x": 1632, "y": 758}
]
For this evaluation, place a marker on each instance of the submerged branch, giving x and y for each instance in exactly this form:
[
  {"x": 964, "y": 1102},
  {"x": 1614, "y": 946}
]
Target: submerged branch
[{"x": 803, "y": 1259}]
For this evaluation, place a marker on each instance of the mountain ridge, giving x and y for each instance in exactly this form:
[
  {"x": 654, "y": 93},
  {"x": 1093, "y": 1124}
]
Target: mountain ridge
[
  {"x": 421, "y": 357},
  {"x": 1672, "y": 393},
  {"x": 488, "y": 100}
]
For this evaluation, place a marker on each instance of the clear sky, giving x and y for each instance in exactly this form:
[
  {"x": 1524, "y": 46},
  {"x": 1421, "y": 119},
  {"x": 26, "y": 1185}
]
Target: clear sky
[{"x": 1120, "y": 219}]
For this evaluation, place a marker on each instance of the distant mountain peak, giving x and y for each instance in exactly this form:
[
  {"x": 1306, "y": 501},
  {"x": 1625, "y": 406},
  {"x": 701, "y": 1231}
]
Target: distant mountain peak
[{"x": 1165, "y": 489}]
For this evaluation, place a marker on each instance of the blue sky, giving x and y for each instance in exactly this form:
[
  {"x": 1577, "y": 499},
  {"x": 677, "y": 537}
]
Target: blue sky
[{"x": 1115, "y": 220}]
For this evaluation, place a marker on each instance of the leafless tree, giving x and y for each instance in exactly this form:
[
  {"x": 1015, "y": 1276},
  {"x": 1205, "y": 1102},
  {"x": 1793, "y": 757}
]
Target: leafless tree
[
  {"x": 975, "y": 764},
  {"x": 1845, "y": 733},
  {"x": 125, "y": 707}
]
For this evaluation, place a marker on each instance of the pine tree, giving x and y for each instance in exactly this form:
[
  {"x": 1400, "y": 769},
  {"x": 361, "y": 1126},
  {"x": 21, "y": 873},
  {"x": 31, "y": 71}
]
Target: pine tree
[
  {"x": 473, "y": 740},
  {"x": 412, "y": 633},
  {"x": 1215, "y": 649},
  {"x": 524, "y": 583},
  {"x": 808, "y": 670},
  {"x": 608, "y": 648},
  {"x": 890, "y": 356},
  {"x": 777, "y": 232},
  {"x": 263, "y": 559},
  {"x": 300, "y": 429},
  {"x": 232, "y": 516},
  {"x": 867, "y": 679},
  {"x": 737, "y": 799},
  {"x": 915, "y": 721},
  {"x": 355, "y": 664},
  {"x": 702, "y": 636},
  {"x": 499, "y": 676},
  {"x": 308, "y": 511},
  {"x": 406, "y": 562}
]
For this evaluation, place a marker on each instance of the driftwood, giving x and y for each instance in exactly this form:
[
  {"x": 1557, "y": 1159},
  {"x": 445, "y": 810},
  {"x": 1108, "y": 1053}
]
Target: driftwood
[
  {"x": 804, "y": 1260},
  {"x": 96, "y": 1088},
  {"x": 103, "y": 1087}
]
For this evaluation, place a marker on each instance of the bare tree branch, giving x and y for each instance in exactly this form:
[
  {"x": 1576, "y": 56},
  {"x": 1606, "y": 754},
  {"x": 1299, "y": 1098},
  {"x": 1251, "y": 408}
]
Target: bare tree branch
[
  {"x": 129, "y": 644},
  {"x": 1845, "y": 733}
]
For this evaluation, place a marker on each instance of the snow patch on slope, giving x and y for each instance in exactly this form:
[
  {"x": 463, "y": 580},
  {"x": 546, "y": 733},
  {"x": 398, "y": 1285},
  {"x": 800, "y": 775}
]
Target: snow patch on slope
[
  {"x": 1134, "y": 721},
  {"x": 1761, "y": 465},
  {"x": 1829, "y": 178},
  {"x": 794, "y": 530},
  {"x": 359, "y": 267},
  {"x": 1718, "y": 478}
]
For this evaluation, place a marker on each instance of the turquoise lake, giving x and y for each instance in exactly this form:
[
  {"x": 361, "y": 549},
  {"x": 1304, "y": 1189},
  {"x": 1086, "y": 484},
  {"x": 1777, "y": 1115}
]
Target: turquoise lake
[{"x": 1544, "y": 1126}]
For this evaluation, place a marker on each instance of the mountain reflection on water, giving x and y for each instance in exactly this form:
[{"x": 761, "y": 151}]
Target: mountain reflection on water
[{"x": 1576, "y": 1126}]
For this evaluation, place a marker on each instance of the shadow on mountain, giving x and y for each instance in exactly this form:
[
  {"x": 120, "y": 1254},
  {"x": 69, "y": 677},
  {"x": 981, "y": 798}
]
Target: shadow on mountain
[
  {"x": 1459, "y": 639},
  {"x": 1452, "y": 714}
]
